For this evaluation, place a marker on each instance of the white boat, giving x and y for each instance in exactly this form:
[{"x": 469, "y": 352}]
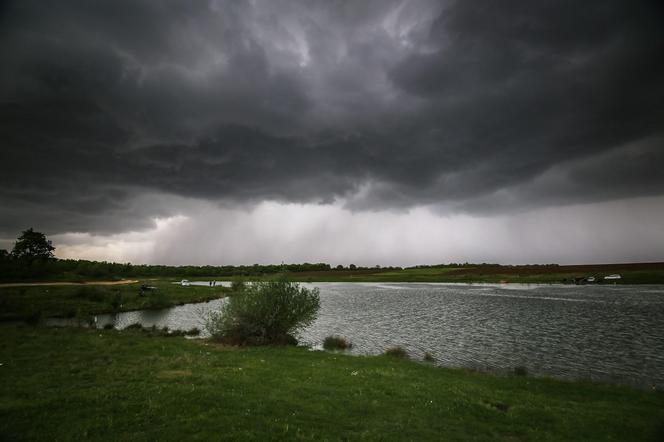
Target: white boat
[{"x": 613, "y": 277}]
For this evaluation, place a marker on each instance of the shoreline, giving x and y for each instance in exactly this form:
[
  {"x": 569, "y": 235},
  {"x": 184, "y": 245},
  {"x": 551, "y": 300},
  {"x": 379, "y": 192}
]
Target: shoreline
[
  {"x": 65, "y": 283},
  {"x": 329, "y": 280}
]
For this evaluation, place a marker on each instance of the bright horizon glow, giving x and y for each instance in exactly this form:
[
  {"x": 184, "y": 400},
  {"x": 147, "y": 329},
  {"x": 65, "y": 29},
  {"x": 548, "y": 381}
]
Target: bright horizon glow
[{"x": 297, "y": 233}]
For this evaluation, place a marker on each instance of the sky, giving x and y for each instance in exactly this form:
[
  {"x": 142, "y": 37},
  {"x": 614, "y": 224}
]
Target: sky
[{"x": 368, "y": 132}]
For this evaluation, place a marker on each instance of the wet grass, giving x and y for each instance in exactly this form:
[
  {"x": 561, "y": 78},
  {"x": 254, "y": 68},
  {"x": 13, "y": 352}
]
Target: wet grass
[
  {"x": 36, "y": 302},
  {"x": 73, "y": 384}
]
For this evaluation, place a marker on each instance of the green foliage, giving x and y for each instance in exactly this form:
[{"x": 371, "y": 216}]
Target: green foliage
[
  {"x": 116, "y": 301},
  {"x": 336, "y": 343},
  {"x": 194, "y": 331},
  {"x": 266, "y": 312},
  {"x": 134, "y": 326},
  {"x": 157, "y": 299},
  {"x": 17, "y": 303},
  {"x": 520, "y": 370},
  {"x": 397, "y": 352},
  {"x": 32, "y": 245},
  {"x": 238, "y": 285},
  {"x": 77, "y": 384}
]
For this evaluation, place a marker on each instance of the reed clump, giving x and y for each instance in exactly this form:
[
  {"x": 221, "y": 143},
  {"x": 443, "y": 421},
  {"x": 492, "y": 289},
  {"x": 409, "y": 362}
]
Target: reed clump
[
  {"x": 397, "y": 352},
  {"x": 336, "y": 343}
]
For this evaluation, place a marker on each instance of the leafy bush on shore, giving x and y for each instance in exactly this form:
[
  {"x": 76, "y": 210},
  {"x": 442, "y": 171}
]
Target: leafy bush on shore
[
  {"x": 520, "y": 370},
  {"x": 336, "y": 343},
  {"x": 238, "y": 285},
  {"x": 266, "y": 312},
  {"x": 397, "y": 352}
]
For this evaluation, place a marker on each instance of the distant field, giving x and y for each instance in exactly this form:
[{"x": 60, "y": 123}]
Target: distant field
[{"x": 640, "y": 273}]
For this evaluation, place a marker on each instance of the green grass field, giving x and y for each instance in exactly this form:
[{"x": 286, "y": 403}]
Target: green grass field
[
  {"x": 27, "y": 302},
  {"x": 73, "y": 384},
  {"x": 631, "y": 274}
]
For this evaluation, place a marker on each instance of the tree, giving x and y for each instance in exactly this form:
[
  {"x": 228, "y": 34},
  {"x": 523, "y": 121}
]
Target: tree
[
  {"x": 32, "y": 245},
  {"x": 352, "y": 267}
]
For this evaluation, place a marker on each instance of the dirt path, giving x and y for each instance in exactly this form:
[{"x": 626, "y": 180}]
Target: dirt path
[{"x": 25, "y": 284}]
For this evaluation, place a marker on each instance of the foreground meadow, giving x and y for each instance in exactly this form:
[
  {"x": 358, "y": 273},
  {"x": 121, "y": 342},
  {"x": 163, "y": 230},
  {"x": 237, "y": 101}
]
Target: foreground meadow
[{"x": 69, "y": 384}]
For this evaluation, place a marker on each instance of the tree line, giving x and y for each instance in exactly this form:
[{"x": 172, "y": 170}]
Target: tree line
[{"x": 32, "y": 258}]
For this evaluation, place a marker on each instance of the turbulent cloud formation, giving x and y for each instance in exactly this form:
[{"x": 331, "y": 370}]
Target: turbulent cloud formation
[
  {"x": 115, "y": 113},
  {"x": 272, "y": 232}
]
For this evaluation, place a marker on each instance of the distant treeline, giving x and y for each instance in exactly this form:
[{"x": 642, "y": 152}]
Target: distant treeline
[
  {"x": 484, "y": 264},
  {"x": 12, "y": 269}
]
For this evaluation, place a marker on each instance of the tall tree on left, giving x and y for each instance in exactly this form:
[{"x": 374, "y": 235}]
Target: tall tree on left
[{"x": 32, "y": 245}]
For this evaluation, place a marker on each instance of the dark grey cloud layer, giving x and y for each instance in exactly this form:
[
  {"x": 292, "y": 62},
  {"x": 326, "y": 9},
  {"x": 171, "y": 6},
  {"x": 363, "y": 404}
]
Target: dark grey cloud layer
[{"x": 107, "y": 108}]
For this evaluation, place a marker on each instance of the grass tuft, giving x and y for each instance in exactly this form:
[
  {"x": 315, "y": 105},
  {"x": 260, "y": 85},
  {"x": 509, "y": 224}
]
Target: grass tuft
[
  {"x": 193, "y": 332},
  {"x": 397, "y": 352},
  {"x": 134, "y": 326},
  {"x": 336, "y": 343},
  {"x": 520, "y": 370}
]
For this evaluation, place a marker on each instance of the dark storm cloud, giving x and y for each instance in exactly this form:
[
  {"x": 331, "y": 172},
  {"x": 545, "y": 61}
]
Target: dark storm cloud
[{"x": 107, "y": 108}]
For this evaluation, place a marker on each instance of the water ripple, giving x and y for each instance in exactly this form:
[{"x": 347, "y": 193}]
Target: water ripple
[{"x": 609, "y": 333}]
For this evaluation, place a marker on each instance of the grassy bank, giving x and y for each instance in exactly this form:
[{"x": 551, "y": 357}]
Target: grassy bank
[
  {"x": 68, "y": 384},
  {"x": 642, "y": 273},
  {"x": 632, "y": 273},
  {"x": 32, "y": 302}
]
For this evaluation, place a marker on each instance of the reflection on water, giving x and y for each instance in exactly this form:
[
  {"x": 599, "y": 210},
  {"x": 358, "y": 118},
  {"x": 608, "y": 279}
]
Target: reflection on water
[{"x": 611, "y": 333}]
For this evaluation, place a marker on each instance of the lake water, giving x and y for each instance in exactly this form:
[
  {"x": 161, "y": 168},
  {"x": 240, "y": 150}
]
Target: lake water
[{"x": 609, "y": 333}]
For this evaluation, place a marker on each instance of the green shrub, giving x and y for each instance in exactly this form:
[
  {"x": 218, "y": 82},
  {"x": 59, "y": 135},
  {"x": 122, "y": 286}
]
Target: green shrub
[
  {"x": 336, "y": 343},
  {"x": 157, "y": 299},
  {"x": 193, "y": 332},
  {"x": 83, "y": 318},
  {"x": 238, "y": 285},
  {"x": 116, "y": 301},
  {"x": 266, "y": 312},
  {"x": 397, "y": 352},
  {"x": 520, "y": 370},
  {"x": 134, "y": 326}
]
